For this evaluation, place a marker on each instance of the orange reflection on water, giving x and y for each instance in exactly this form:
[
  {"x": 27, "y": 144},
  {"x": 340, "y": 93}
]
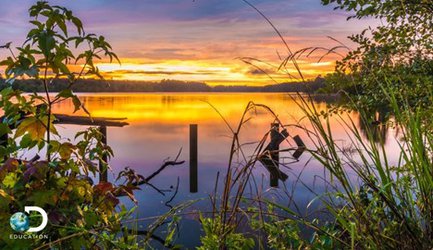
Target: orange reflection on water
[
  {"x": 182, "y": 107},
  {"x": 159, "y": 122}
]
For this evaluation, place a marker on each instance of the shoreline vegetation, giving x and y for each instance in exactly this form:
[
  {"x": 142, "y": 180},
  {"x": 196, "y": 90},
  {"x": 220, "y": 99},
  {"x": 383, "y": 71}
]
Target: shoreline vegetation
[{"x": 109, "y": 86}]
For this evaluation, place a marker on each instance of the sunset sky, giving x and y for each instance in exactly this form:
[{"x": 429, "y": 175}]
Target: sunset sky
[{"x": 199, "y": 40}]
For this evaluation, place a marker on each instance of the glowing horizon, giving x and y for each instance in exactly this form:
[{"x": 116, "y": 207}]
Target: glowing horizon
[{"x": 206, "y": 72}]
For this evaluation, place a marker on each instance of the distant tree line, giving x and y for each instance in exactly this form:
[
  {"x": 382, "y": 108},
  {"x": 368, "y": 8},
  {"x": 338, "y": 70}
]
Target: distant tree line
[{"x": 93, "y": 85}]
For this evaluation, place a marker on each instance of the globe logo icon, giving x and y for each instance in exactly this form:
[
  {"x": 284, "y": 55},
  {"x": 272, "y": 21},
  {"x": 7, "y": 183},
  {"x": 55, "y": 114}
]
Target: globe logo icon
[{"x": 19, "y": 222}]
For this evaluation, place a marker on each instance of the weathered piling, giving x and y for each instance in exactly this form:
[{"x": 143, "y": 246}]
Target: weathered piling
[
  {"x": 275, "y": 154},
  {"x": 193, "y": 158},
  {"x": 271, "y": 160},
  {"x": 301, "y": 147}
]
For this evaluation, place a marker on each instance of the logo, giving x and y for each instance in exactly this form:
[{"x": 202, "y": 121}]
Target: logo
[{"x": 20, "y": 221}]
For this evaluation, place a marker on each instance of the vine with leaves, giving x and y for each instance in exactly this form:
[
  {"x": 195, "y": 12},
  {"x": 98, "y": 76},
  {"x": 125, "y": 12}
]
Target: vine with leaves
[{"x": 81, "y": 214}]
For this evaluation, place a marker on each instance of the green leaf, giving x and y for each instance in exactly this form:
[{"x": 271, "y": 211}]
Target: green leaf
[
  {"x": 33, "y": 126},
  {"x": 50, "y": 21},
  {"x": 62, "y": 26},
  {"x": 66, "y": 93},
  {"x": 25, "y": 62},
  {"x": 4, "y": 129},
  {"x": 10, "y": 180},
  {"x": 7, "y": 62},
  {"x": 77, "y": 22},
  {"x": 78, "y": 41},
  {"x": 37, "y": 23},
  {"x": 59, "y": 65},
  {"x": 27, "y": 142},
  {"x": 66, "y": 150},
  {"x": 46, "y": 43},
  {"x": 44, "y": 197},
  {"x": 91, "y": 218},
  {"x": 77, "y": 103},
  {"x": 33, "y": 71}
]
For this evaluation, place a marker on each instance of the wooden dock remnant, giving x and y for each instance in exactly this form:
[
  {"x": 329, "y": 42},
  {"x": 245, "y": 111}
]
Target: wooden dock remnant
[
  {"x": 102, "y": 123},
  {"x": 90, "y": 121},
  {"x": 301, "y": 147},
  {"x": 193, "y": 158}
]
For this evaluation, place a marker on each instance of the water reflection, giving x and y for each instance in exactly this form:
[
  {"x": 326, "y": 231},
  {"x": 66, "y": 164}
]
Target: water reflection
[
  {"x": 375, "y": 124},
  {"x": 159, "y": 127}
]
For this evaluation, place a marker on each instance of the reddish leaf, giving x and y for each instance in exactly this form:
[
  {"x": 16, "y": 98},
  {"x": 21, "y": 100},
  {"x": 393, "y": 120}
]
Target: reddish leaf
[
  {"x": 110, "y": 198},
  {"x": 103, "y": 187}
]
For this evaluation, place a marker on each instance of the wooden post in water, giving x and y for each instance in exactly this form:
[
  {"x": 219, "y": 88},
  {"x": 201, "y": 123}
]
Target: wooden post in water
[
  {"x": 103, "y": 175},
  {"x": 275, "y": 154},
  {"x": 193, "y": 159},
  {"x": 271, "y": 158}
]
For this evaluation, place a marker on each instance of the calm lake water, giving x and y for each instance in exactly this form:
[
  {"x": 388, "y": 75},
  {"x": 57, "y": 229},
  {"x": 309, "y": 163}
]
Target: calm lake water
[{"x": 159, "y": 127}]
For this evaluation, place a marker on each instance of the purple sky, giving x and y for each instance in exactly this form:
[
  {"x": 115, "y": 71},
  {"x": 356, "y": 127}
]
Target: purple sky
[{"x": 198, "y": 36}]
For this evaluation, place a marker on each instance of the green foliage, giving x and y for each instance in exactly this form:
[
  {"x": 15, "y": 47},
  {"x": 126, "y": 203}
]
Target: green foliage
[
  {"x": 283, "y": 229},
  {"x": 81, "y": 214},
  {"x": 386, "y": 206},
  {"x": 287, "y": 234},
  {"x": 405, "y": 32},
  {"x": 398, "y": 51},
  {"x": 64, "y": 189},
  {"x": 213, "y": 240}
]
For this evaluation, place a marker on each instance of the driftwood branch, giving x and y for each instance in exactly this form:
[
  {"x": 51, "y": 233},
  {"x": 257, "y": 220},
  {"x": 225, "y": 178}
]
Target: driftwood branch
[
  {"x": 167, "y": 203},
  {"x": 142, "y": 180},
  {"x": 175, "y": 162}
]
